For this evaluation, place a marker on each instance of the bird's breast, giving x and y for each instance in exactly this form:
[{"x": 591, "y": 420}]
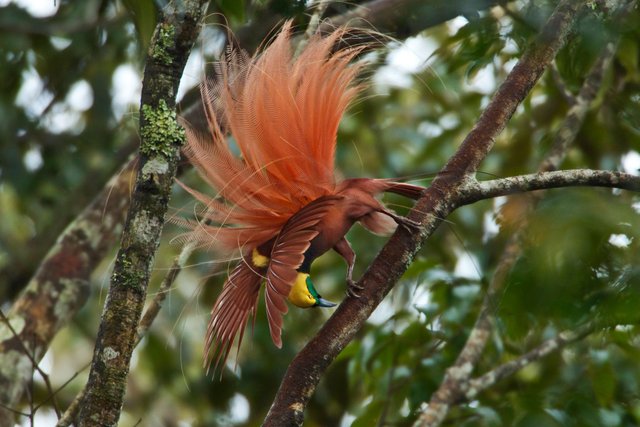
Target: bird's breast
[{"x": 330, "y": 231}]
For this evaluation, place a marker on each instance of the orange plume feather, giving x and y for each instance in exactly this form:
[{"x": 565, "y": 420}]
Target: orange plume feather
[
  {"x": 278, "y": 202},
  {"x": 283, "y": 114}
]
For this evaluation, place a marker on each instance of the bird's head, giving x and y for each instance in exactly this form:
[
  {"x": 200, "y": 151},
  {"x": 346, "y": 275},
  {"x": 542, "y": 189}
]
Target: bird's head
[{"x": 304, "y": 294}]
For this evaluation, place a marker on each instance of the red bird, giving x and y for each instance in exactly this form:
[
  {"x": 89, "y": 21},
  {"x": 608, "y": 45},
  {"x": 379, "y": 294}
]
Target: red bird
[{"x": 279, "y": 203}]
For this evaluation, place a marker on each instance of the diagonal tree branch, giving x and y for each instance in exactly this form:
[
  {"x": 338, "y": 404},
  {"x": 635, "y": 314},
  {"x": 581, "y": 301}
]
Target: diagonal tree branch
[
  {"x": 55, "y": 294},
  {"x": 59, "y": 288},
  {"x": 35, "y": 366},
  {"x": 471, "y": 389},
  {"x": 439, "y": 200},
  {"x": 460, "y": 372},
  {"x": 579, "y": 109},
  {"x": 249, "y": 37},
  {"x": 161, "y": 138}
]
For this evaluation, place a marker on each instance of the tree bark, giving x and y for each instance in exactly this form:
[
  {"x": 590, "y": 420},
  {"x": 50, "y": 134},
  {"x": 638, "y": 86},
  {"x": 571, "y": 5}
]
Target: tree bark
[
  {"x": 474, "y": 191},
  {"x": 58, "y": 289},
  {"x": 89, "y": 237},
  {"x": 161, "y": 139}
]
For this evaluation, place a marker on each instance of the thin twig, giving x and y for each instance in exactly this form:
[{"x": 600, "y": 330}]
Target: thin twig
[
  {"x": 154, "y": 307},
  {"x": 319, "y": 7},
  {"x": 483, "y": 382},
  {"x": 560, "y": 84}
]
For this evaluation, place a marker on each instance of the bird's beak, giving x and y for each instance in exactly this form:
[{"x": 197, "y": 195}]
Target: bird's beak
[{"x": 321, "y": 302}]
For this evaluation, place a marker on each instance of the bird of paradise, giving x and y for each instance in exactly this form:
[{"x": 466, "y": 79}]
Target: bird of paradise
[{"x": 279, "y": 203}]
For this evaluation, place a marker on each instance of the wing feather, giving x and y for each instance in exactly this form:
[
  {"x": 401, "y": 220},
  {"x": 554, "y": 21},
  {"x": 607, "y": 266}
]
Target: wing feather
[
  {"x": 288, "y": 254},
  {"x": 237, "y": 301}
]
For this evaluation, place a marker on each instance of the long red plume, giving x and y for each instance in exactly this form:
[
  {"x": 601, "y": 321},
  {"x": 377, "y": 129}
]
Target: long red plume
[{"x": 283, "y": 115}]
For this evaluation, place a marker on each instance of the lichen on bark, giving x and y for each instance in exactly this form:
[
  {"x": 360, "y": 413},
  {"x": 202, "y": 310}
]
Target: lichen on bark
[
  {"x": 161, "y": 139},
  {"x": 160, "y": 130}
]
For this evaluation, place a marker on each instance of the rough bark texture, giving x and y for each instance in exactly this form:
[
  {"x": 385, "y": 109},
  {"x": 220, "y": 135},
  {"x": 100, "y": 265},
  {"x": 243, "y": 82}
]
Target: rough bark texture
[
  {"x": 161, "y": 138},
  {"x": 374, "y": 13},
  {"x": 86, "y": 241},
  {"x": 440, "y": 199},
  {"x": 149, "y": 316},
  {"x": 474, "y": 191},
  {"x": 58, "y": 289}
]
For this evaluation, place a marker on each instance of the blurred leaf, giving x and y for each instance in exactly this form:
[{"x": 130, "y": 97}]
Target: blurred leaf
[
  {"x": 603, "y": 381},
  {"x": 369, "y": 416},
  {"x": 539, "y": 419},
  {"x": 627, "y": 54},
  {"x": 144, "y": 17},
  {"x": 233, "y": 9}
]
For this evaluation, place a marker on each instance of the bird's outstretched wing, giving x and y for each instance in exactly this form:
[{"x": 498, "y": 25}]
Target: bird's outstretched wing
[
  {"x": 288, "y": 254},
  {"x": 230, "y": 313}
]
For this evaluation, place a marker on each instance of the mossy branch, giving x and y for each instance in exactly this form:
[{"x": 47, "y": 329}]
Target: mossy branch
[{"x": 161, "y": 139}]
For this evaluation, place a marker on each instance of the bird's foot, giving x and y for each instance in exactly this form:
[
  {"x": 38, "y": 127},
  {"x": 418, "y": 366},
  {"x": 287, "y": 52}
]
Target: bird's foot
[
  {"x": 408, "y": 224},
  {"x": 353, "y": 289}
]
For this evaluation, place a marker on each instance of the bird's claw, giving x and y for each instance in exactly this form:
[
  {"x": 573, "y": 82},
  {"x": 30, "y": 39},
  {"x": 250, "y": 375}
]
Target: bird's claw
[
  {"x": 409, "y": 224},
  {"x": 353, "y": 289}
]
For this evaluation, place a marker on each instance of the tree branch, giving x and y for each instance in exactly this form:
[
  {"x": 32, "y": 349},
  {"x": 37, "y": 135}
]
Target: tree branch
[
  {"x": 471, "y": 389},
  {"x": 391, "y": 17},
  {"x": 572, "y": 124},
  {"x": 161, "y": 138},
  {"x": 149, "y": 316},
  {"x": 15, "y": 275},
  {"x": 439, "y": 200},
  {"x": 86, "y": 241},
  {"x": 34, "y": 363},
  {"x": 458, "y": 374},
  {"x": 59, "y": 288},
  {"x": 474, "y": 191}
]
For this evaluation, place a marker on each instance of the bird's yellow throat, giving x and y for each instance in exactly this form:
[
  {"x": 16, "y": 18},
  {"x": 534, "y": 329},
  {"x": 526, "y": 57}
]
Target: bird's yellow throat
[{"x": 301, "y": 294}]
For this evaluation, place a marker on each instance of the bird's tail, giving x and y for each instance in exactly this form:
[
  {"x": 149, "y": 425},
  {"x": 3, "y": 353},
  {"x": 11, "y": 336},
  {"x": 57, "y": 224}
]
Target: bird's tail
[
  {"x": 407, "y": 190},
  {"x": 231, "y": 312}
]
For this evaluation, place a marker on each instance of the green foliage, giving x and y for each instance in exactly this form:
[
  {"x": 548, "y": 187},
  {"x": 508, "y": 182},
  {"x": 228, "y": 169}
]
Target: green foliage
[
  {"x": 144, "y": 18},
  {"x": 233, "y": 9},
  {"x": 571, "y": 270}
]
